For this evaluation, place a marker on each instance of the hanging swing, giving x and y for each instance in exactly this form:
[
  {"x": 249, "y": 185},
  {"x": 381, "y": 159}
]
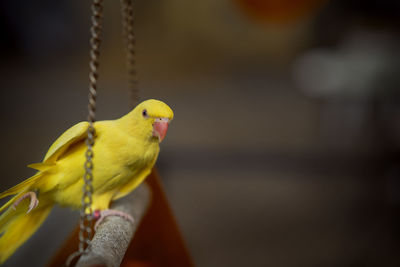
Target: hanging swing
[
  {"x": 143, "y": 214},
  {"x": 156, "y": 240}
]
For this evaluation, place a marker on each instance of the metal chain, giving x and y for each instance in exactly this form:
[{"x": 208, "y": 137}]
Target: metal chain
[
  {"x": 86, "y": 215},
  {"x": 86, "y": 218},
  {"x": 130, "y": 46}
]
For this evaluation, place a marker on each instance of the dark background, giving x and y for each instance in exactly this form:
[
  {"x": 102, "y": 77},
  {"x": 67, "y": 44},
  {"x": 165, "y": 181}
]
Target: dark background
[{"x": 284, "y": 150}]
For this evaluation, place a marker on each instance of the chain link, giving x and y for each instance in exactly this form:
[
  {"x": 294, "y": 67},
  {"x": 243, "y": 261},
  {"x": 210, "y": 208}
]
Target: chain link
[{"x": 130, "y": 46}]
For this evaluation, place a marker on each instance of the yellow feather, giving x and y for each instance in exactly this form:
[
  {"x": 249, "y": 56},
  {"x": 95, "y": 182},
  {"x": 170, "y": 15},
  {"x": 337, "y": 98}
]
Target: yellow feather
[
  {"x": 42, "y": 166},
  {"x": 125, "y": 150},
  {"x": 11, "y": 201},
  {"x": 73, "y": 134},
  {"x": 21, "y": 187},
  {"x": 18, "y": 228}
]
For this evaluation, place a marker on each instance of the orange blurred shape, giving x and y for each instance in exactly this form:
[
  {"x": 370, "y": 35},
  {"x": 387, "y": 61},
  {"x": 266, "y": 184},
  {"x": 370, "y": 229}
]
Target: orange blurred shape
[
  {"x": 279, "y": 11},
  {"x": 157, "y": 241}
]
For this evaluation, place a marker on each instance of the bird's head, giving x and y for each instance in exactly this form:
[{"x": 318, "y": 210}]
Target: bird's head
[{"x": 152, "y": 118}]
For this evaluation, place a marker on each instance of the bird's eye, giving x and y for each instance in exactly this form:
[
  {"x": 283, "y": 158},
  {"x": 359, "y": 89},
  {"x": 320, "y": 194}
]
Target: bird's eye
[{"x": 144, "y": 113}]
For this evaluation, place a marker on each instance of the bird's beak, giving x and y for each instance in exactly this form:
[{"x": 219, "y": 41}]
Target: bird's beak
[{"x": 160, "y": 128}]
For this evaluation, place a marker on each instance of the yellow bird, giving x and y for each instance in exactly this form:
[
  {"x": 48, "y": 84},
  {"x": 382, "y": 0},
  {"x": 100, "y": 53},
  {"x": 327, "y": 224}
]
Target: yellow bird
[{"x": 125, "y": 151}]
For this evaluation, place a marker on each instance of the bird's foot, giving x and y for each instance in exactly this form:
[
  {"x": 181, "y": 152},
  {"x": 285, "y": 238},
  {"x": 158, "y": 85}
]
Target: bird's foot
[
  {"x": 33, "y": 204},
  {"x": 101, "y": 215}
]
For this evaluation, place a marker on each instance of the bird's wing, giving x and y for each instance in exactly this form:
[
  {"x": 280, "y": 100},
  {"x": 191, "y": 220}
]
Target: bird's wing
[{"x": 72, "y": 135}]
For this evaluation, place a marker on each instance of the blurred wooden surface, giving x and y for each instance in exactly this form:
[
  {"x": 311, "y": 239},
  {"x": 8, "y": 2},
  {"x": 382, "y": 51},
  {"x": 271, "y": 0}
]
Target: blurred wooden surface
[{"x": 114, "y": 234}]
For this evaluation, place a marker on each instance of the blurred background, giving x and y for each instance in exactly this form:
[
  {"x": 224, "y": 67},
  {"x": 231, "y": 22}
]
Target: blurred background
[{"x": 284, "y": 150}]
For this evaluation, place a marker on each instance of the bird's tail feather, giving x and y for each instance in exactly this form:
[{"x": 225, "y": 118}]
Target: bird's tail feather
[
  {"x": 21, "y": 186},
  {"x": 16, "y": 226},
  {"x": 19, "y": 189}
]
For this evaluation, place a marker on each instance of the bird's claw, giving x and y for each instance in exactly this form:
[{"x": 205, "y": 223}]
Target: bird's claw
[
  {"x": 33, "y": 204},
  {"x": 101, "y": 215}
]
